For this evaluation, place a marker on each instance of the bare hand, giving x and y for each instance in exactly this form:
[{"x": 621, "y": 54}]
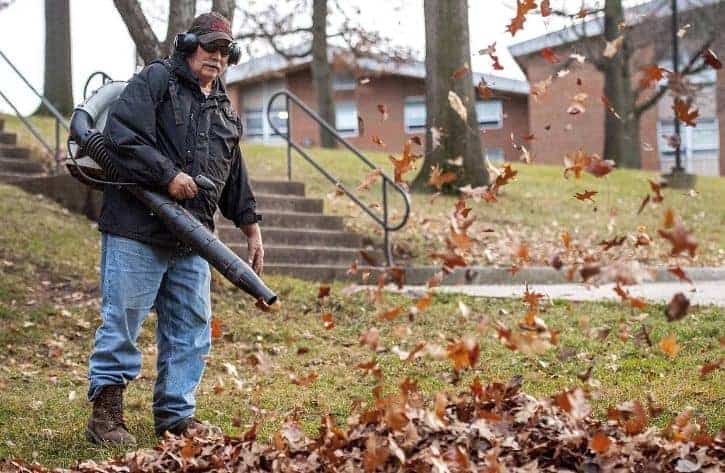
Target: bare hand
[
  {"x": 182, "y": 186},
  {"x": 255, "y": 250}
]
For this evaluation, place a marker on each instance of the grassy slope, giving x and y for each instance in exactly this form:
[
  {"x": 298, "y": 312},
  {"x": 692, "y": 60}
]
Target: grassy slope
[
  {"x": 536, "y": 208},
  {"x": 49, "y": 310}
]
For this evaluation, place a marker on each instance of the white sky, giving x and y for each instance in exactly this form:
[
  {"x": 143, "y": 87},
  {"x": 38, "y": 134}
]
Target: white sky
[{"x": 101, "y": 41}]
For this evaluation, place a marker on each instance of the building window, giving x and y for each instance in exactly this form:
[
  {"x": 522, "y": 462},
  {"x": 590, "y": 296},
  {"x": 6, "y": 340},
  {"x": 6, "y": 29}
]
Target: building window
[
  {"x": 494, "y": 155},
  {"x": 346, "y": 118},
  {"x": 489, "y": 113},
  {"x": 414, "y": 114},
  {"x": 699, "y": 148},
  {"x": 278, "y": 116},
  {"x": 253, "y": 122},
  {"x": 344, "y": 81}
]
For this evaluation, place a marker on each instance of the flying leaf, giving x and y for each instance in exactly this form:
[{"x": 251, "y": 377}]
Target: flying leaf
[
  {"x": 438, "y": 178},
  {"x": 457, "y": 105},
  {"x": 586, "y": 195},
  {"x": 711, "y": 59},
  {"x": 383, "y": 109},
  {"x": 651, "y": 74},
  {"x": 545, "y": 8},
  {"x": 683, "y": 112},
  {"x": 378, "y": 141},
  {"x": 681, "y": 240},
  {"x": 600, "y": 443},
  {"x": 612, "y": 47},
  {"x": 461, "y": 71},
  {"x": 522, "y": 8},
  {"x": 550, "y": 56}
]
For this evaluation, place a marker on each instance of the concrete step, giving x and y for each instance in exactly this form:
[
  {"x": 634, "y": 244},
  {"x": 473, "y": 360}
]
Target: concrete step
[
  {"x": 20, "y": 165},
  {"x": 288, "y": 203},
  {"x": 294, "y": 236},
  {"x": 299, "y": 220},
  {"x": 319, "y": 272},
  {"x": 12, "y": 151},
  {"x": 9, "y": 177},
  {"x": 279, "y": 187},
  {"x": 317, "y": 255},
  {"x": 8, "y": 138}
]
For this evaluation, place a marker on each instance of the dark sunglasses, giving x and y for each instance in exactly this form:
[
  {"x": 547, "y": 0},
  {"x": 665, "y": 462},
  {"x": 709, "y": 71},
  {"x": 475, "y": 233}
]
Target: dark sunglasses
[{"x": 224, "y": 47}]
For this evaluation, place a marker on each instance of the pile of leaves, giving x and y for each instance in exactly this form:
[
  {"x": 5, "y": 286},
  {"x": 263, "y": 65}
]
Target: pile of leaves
[{"x": 486, "y": 429}]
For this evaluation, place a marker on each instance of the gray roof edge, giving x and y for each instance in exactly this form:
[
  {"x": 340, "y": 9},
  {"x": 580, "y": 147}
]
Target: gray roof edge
[{"x": 595, "y": 26}]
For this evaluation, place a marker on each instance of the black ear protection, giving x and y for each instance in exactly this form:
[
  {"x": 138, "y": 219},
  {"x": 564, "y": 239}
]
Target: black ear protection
[{"x": 188, "y": 42}]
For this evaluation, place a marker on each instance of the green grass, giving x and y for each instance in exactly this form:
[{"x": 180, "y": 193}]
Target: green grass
[{"x": 49, "y": 311}]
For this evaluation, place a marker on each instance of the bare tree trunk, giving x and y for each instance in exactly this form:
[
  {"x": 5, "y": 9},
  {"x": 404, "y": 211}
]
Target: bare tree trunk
[
  {"x": 321, "y": 73},
  {"x": 181, "y": 15},
  {"x": 621, "y": 136},
  {"x": 148, "y": 46},
  {"x": 446, "y": 50},
  {"x": 58, "y": 83},
  {"x": 225, "y": 7}
]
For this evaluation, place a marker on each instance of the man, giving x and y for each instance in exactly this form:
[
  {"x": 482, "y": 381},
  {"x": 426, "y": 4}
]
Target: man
[{"x": 172, "y": 121}]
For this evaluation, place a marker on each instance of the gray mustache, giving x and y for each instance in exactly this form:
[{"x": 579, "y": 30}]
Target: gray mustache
[{"x": 212, "y": 64}]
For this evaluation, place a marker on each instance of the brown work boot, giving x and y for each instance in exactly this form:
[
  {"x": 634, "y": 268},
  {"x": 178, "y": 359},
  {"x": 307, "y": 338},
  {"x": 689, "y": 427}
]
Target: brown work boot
[
  {"x": 106, "y": 423},
  {"x": 190, "y": 424}
]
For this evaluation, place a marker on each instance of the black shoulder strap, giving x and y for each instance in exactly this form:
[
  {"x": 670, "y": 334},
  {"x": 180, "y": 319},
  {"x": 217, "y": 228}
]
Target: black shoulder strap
[{"x": 173, "y": 91}]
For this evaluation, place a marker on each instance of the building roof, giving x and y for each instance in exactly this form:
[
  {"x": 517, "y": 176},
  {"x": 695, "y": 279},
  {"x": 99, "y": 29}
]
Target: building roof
[
  {"x": 595, "y": 26},
  {"x": 264, "y": 66}
]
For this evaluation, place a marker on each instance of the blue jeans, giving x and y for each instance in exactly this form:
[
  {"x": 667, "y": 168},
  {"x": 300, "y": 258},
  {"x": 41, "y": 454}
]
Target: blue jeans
[{"x": 134, "y": 278}]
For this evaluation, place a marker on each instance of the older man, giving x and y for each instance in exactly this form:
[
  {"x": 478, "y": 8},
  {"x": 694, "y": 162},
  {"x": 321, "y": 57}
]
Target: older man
[{"x": 172, "y": 121}]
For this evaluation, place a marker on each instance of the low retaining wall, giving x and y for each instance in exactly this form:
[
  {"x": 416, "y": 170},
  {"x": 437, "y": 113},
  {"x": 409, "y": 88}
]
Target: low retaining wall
[{"x": 68, "y": 192}]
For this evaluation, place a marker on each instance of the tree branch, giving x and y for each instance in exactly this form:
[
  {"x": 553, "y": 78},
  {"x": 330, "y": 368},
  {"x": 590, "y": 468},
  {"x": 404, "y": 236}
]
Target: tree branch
[{"x": 147, "y": 44}]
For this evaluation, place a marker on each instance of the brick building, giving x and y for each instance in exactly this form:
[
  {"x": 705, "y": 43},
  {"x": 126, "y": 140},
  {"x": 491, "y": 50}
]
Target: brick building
[
  {"x": 357, "y": 92},
  {"x": 558, "y": 132}
]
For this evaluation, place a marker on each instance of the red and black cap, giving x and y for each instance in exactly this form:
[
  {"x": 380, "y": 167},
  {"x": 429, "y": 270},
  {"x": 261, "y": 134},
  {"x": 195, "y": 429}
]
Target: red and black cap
[{"x": 212, "y": 26}]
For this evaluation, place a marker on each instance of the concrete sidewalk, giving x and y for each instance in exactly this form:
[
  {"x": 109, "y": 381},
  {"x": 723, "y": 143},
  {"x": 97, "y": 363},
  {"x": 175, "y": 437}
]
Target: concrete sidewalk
[{"x": 705, "y": 292}]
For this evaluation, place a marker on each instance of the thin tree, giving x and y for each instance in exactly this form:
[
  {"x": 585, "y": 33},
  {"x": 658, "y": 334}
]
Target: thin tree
[
  {"x": 181, "y": 14},
  {"x": 451, "y": 131},
  {"x": 58, "y": 77}
]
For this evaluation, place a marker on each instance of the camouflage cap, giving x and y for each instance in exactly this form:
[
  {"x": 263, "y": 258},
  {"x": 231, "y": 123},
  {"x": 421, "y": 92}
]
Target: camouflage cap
[{"x": 210, "y": 27}]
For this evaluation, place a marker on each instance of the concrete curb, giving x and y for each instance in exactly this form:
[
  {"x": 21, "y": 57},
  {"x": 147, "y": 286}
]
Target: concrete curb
[{"x": 539, "y": 275}]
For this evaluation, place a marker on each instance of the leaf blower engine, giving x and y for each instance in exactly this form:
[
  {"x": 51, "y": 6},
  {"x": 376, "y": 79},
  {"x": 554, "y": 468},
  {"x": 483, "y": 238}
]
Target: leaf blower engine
[{"x": 90, "y": 163}]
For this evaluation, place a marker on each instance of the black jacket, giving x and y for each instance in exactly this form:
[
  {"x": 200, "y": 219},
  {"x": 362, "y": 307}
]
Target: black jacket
[{"x": 163, "y": 124}]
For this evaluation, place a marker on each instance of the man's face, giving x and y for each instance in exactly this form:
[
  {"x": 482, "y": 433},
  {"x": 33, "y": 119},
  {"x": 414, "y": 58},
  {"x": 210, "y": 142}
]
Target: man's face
[{"x": 207, "y": 62}]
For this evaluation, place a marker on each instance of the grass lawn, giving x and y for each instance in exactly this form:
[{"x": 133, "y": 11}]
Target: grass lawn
[
  {"x": 49, "y": 311},
  {"x": 534, "y": 210}
]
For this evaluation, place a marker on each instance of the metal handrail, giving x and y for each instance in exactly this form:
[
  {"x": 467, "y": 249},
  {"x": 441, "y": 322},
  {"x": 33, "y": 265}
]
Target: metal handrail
[
  {"x": 59, "y": 119},
  {"x": 386, "y": 180}
]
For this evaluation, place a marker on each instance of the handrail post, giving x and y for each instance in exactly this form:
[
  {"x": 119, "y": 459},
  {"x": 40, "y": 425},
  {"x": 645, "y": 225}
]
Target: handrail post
[
  {"x": 388, "y": 251},
  {"x": 289, "y": 140},
  {"x": 57, "y": 146}
]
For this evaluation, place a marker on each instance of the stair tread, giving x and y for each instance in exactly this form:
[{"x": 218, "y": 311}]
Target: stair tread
[
  {"x": 309, "y": 247},
  {"x": 257, "y": 195},
  {"x": 22, "y": 174},
  {"x": 306, "y": 230}
]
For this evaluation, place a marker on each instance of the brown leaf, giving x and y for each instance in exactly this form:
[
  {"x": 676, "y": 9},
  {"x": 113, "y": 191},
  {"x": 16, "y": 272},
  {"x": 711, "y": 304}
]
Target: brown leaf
[
  {"x": 680, "y": 273},
  {"x": 681, "y": 240},
  {"x": 216, "y": 328},
  {"x": 550, "y": 56},
  {"x": 522, "y": 8},
  {"x": 383, "y": 109},
  {"x": 438, "y": 178},
  {"x": 328, "y": 321},
  {"x": 683, "y": 112},
  {"x": 600, "y": 443},
  {"x": 461, "y": 72},
  {"x": 669, "y": 345},
  {"x": 711, "y": 59},
  {"x": 323, "y": 291},
  {"x": 586, "y": 195},
  {"x": 677, "y": 307}
]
